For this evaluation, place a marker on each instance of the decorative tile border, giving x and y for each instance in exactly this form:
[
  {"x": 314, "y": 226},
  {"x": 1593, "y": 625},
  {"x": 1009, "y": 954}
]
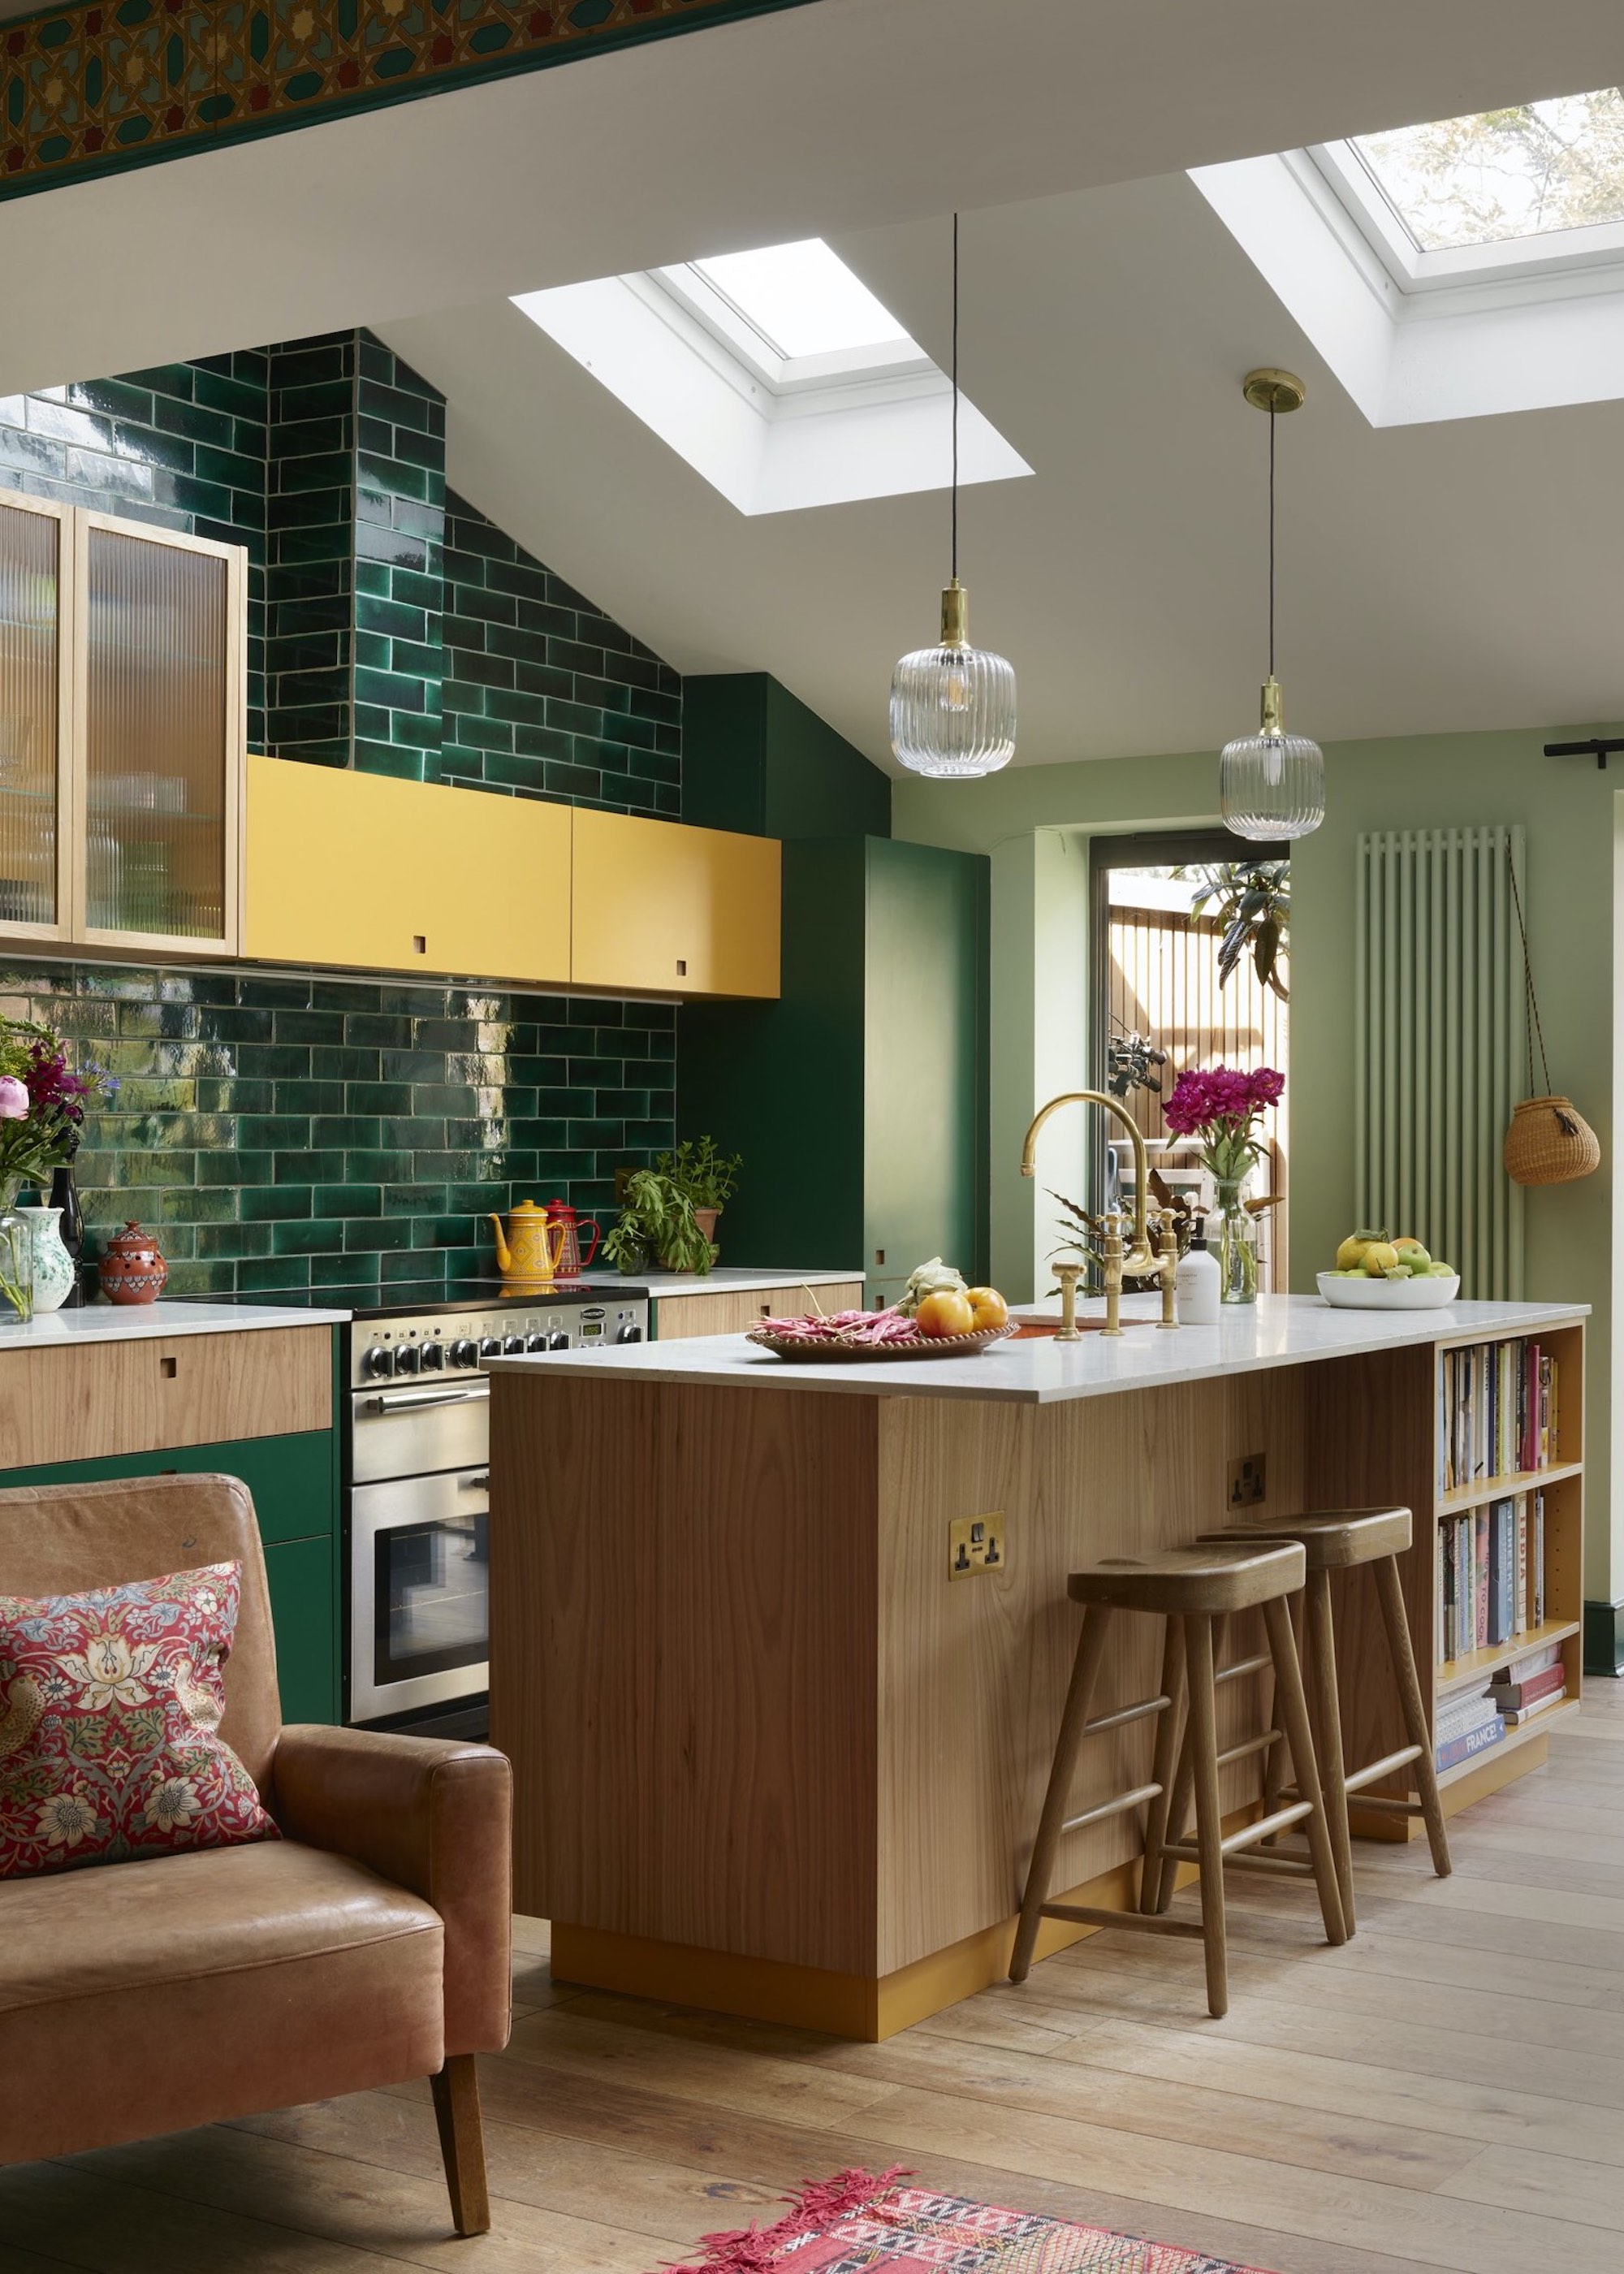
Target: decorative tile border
[{"x": 115, "y": 83}]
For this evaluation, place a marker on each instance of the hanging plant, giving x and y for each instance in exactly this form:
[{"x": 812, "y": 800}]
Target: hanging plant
[{"x": 1251, "y": 900}]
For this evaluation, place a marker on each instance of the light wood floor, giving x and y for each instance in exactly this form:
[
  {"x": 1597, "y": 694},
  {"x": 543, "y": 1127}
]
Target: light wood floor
[{"x": 1446, "y": 2093}]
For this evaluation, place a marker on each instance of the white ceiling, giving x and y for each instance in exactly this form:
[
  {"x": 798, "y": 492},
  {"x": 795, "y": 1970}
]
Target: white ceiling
[{"x": 1451, "y": 576}]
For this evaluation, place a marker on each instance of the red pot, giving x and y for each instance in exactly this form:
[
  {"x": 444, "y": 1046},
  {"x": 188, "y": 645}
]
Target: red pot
[
  {"x": 571, "y": 1258},
  {"x": 133, "y": 1268}
]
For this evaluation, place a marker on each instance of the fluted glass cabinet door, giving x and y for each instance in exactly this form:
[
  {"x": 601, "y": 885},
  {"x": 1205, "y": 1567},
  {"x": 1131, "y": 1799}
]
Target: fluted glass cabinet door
[
  {"x": 35, "y": 699},
  {"x": 162, "y": 675}
]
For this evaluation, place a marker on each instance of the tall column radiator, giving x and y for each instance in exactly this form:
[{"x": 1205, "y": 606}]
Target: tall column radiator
[{"x": 1439, "y": 1056}]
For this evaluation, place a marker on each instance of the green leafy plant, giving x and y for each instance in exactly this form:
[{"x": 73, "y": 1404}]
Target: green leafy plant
[
  {"x": 708, "y": 1176},
  {"x": 656, "y": 1224},
  {"x": 1251, "y": 900}
]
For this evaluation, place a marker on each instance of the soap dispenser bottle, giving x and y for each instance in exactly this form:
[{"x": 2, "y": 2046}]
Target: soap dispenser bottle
[{"x": 1198, "y": 1282}]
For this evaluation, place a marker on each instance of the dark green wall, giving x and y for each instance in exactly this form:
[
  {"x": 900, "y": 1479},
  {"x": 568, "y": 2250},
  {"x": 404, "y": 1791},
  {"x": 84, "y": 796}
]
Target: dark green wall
[
  {"x": 859, "y": 1099},
  {"x": 756, "y": 759}
]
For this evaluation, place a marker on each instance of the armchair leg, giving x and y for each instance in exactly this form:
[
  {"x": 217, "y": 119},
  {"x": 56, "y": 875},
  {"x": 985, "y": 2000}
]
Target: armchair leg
[{"x": 462, "y": 2143}]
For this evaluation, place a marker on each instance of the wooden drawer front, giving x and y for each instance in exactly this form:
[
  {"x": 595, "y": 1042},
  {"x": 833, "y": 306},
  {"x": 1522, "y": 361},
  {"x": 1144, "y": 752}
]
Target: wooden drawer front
[
  {"x": 679, "y": 1318},
  {"x": 84, "y": 1403}
]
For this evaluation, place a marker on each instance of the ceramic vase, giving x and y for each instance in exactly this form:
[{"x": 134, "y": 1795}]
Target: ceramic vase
[
  {"x": 1237, "y": 1246},
  {"x": 133, "y": 1268},
  {"x": 52, "y": 1265}
]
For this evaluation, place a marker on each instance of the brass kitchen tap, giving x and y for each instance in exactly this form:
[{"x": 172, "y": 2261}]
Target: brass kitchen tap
[{"x": 1142, "y": 1261}]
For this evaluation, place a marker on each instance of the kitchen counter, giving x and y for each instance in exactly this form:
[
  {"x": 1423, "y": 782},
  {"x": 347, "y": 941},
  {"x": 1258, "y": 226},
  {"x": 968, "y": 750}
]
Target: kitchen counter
[
  {"x": 1278, "y": 1330},
  {"x": 725, "y": 1281},
  {"x": 771, "y": 1756},
  {"x": 127, "y": 1322}
]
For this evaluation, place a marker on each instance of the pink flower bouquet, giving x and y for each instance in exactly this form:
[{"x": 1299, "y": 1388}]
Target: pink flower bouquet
[{"x": 1220, "y": 1105}]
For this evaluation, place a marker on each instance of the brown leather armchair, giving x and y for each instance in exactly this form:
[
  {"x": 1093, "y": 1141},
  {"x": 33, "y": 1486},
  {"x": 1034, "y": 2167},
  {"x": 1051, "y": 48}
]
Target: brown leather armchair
[{"x": 368, "y": 1946}]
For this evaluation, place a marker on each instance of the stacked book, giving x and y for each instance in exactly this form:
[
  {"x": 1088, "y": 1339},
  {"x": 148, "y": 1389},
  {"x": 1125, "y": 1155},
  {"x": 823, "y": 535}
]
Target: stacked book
[
  {"x": 1491, "y": 1575},
  {"x": 1522, "y": 1689},
  {"x": 1497, "y": 1413}
]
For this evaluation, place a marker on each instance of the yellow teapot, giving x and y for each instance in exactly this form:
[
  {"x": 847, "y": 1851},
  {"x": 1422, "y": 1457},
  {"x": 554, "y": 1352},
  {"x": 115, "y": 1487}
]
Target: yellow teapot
[{"x": 529, "y": 1250}]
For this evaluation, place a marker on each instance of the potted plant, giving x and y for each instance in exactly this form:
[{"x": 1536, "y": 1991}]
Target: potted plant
[
  {"x": 656, "y": 1224},
  {"x": 708, "y": 1178},
  {"x": 43, "y": 1109}
]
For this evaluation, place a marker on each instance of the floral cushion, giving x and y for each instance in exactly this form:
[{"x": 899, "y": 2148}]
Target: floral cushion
[{"x": 110, "y": 1704}]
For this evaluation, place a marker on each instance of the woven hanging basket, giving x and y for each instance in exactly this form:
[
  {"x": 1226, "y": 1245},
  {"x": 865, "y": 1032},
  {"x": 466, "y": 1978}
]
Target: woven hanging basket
[{"x": 1549, "y": 1143}]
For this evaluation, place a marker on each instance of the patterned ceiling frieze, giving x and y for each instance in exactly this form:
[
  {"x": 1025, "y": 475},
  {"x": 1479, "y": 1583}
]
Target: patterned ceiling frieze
[{"x": 97, "y": 88}]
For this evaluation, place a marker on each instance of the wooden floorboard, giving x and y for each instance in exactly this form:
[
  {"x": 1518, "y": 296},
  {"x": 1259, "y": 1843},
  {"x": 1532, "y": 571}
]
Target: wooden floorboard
[{"x": 1447, "y": 2092}]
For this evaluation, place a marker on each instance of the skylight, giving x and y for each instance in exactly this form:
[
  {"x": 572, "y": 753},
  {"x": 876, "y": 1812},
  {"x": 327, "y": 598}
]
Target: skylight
[
  {"x": 778, "y": 374},
  {"x": 1503, "y": 175},
  {"x": 802, "y": 300}
]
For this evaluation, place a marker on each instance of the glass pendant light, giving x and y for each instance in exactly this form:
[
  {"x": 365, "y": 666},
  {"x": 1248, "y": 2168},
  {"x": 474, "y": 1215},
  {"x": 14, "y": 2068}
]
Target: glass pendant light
[
  {"x": 1272, "y": 784},
  {"x": 952, "y": 707}
]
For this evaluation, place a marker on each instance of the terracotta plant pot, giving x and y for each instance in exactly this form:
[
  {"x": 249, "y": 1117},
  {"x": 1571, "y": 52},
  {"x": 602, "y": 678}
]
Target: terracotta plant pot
[
  {"x": 133, "y": 1268},
  {"x": 705, "y": 1218}
]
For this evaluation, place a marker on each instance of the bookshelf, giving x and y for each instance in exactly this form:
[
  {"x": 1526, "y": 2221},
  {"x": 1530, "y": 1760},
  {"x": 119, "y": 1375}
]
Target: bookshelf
[{"x": 1398, "y": 1459}]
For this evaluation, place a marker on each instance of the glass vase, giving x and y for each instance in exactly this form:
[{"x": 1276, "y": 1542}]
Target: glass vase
[
  {"x": 1237, "y": 1246},
  {"x": 16, "y": 1259}
]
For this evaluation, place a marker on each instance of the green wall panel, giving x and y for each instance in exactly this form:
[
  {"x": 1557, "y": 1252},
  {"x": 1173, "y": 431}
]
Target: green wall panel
[
  {"x": 293, "y": 1482},
  {"x": 756, "y": 759}
]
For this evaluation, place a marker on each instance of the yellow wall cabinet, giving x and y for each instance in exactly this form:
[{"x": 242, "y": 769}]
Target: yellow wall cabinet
[
  {"x": 371, "y": 874},
  {"x": 363, "y": 872},
  {"x": 668, "y": 910},
  {"x": 122, "y": 669}
]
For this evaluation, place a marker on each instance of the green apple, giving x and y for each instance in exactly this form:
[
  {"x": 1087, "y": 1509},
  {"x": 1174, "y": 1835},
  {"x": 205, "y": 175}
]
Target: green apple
[{"x": 1440, "y": 1271}]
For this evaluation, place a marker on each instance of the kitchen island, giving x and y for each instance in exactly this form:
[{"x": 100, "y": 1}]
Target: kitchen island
[{"x": 773, "y": 1756}]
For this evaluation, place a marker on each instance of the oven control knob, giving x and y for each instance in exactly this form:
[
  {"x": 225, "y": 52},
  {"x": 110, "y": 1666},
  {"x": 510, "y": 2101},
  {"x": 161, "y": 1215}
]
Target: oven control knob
[
  {"x": 464, "y": 1351},
  {"x": 558, "y": 1339},
  {"x": 629, "y": 1334},
  {"x": 433, "y": 1357},
  {"x": 408, "y": 1358},
  {"x": 491, "y": 1347},
  {"x": 536, "y": 1343},
  {"x": 378, "y": 1363},
  {"x": 513, "y": 1347}
]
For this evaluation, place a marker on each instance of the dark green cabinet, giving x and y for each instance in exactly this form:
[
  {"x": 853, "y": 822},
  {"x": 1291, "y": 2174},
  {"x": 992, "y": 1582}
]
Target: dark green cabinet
[{"x": 295, "y": 1487}]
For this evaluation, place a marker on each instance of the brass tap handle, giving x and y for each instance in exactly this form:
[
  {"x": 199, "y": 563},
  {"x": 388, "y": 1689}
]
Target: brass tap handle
[
  {"x": 1068, "y": 1275},
  {"x": 1113, "y": 1260},
  {"x": 1167, "y": 1248}
]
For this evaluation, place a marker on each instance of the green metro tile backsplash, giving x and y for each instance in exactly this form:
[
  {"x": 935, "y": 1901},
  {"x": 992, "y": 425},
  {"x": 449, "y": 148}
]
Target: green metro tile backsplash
[{"x": 294, "y": 1133}]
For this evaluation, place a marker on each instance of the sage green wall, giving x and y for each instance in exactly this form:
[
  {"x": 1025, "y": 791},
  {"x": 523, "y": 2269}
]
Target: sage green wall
[{"x": 1035, "y": 822}]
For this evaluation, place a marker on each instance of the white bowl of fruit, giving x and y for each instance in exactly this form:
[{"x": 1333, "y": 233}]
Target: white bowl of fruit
[{"x": 1374, "y": 1273}]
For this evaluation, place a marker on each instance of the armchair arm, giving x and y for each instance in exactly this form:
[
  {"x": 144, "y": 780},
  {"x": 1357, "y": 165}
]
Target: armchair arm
[{"x": 433, "y": 1818}]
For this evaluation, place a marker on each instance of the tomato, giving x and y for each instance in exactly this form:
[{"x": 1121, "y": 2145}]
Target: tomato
[
  {"x": 988, "y": 1308},
  {"x": 946, "y": 1314}
]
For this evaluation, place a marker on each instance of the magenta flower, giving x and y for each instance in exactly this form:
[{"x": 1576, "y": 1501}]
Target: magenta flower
[
  {"x": 1220, "y": 1106},
  {"x": 13, "y": 1098}
]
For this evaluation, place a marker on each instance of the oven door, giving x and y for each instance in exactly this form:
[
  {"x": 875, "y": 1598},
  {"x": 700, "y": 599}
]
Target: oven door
[
  {"x": 419, "y": 1613},
  {"x": 406, "y": 1432}
]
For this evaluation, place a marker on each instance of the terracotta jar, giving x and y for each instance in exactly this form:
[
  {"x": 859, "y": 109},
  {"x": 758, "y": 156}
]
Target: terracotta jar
[{"x": 133, "y": 1268}]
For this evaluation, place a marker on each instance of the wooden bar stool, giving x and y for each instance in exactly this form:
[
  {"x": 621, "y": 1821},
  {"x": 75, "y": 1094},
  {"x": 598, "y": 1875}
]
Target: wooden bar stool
[
  {"x": 1338, "y": 1540},
  {"x": 1191, "y": 1589}
]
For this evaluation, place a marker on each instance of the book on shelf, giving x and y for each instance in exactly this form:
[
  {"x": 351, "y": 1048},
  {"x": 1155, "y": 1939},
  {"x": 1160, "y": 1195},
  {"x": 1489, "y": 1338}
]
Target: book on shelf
[
  {"x": 1497, "y": 1413},
  {"x": 1452, "y": 1750},
  {"x": 1516, "y": 1716},
  {"x": 1458, "y": 1717},
  {"x": 1509, "y": 1695},
  {"x": 1491, "y": 1586}
]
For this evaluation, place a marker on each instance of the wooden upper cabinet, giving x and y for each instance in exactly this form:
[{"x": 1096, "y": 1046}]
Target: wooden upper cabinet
[
  {"x": 668, "y": 910},
  {"x": 122, "y": 687},
  {"x": 36, "y": 718},
  {"x": 368, "y": 873}
]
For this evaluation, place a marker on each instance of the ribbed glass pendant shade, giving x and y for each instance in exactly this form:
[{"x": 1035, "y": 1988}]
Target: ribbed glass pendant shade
[
  {"x": 952, "y": 707},
  {"x": 1271, "y": 784}
]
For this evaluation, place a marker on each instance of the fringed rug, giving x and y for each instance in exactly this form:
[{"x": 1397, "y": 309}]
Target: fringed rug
[{"x": 859, "y": 2220}]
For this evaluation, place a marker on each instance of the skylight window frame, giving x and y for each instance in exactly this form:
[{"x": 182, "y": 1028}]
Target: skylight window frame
[
  {"x": 1583, "y": 255},
  {"x": 717, "y": 314}
]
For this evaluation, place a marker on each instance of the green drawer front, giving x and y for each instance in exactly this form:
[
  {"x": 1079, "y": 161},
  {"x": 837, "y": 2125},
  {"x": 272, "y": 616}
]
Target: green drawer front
[{"x": 295, "y": 1497}]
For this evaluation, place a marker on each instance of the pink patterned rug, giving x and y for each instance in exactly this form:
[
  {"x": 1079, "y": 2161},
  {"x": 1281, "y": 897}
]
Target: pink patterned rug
[{"x": 863, "y": 2220}]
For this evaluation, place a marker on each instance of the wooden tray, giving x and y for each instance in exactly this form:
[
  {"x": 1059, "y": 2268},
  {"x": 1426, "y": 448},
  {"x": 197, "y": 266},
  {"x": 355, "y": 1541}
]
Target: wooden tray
[{"x": 844, "y": 1353}]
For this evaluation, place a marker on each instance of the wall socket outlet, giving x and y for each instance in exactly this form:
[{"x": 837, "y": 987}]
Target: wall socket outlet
[
  {"x": 1248, "y": 1481},
  {"x": 976, "y": 1545}
]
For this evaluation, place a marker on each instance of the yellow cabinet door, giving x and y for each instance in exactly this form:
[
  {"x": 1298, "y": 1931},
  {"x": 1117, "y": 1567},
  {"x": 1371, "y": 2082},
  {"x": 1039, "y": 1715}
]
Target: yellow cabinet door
[
  {"x": 369, "y": 873},
  {"x": 673, "y": 911}
]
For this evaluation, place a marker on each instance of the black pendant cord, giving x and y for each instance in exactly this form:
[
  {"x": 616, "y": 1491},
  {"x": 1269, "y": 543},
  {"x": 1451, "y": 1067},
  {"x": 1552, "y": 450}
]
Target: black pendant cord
[
  {"x": 955, "y": 398},
  {"x": 1271, "y": 668}
]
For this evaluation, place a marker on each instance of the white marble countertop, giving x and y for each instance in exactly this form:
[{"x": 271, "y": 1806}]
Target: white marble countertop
[
  {"x": 1277, "y": 1330},
  {"x": 127, "y": 1322},
  {"x": 723, "y": 1281}
]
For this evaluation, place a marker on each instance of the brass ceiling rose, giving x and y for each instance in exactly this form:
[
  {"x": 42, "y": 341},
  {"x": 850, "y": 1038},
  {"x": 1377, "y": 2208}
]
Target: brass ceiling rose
[{"x": 1273, "y": 391}]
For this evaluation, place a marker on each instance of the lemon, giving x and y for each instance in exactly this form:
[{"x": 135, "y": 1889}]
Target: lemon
[
  {"x": 1350, "y": 1254},
  {"x": 1379, "y": 1257}
]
